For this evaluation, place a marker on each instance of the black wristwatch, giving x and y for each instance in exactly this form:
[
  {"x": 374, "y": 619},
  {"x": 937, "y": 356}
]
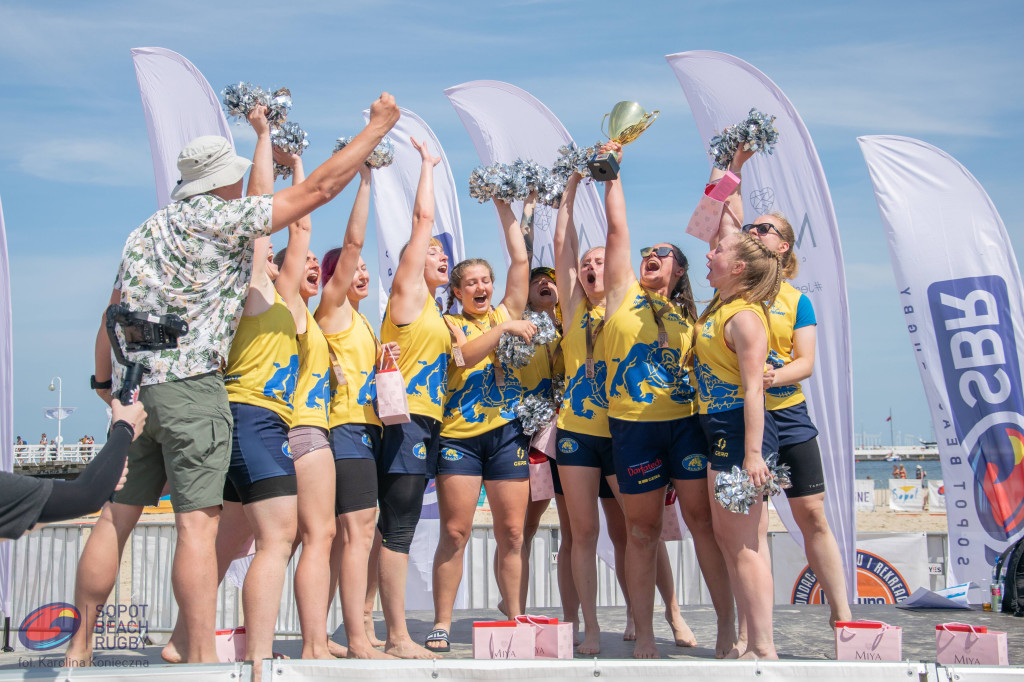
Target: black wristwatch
[{"x": 96, "y": 385}]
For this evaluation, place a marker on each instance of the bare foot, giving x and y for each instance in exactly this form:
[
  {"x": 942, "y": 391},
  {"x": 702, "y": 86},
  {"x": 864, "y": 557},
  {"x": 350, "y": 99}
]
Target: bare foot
[
  {"x": 726, "y": 643},
  {"x": 680, "y": 630},
  {"x": 629, "y": 633},
  {"x": 763, "y": 655},
  {"x": 314, "y": 653},
  {"x": 646, "y": 649},
  {"x": 368, "y": 653},
  {"x": 370, "y": 633},
  {"x": 575, "y": 632},
  {"x": 77, "y": 659},
  {"x": 336, "y": 650},
  {"x": 501, "y": 607},
  {"x": 591, "y": 645},
  {"x": 409, "y": 649},
  {"x": 171, "y": 654}
]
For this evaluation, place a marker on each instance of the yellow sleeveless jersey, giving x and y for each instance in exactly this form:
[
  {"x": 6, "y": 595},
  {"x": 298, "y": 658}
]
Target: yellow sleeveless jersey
[
  {"x": 585, "y": 403},
  {"x": 475, "y": 404},
  {"x": 646, "y": 382},
  {"x": 313, "y": 390},
  {"x": 716, "y": 365},
  {"x": 537, "y": 378},
  {"x": 426, "y": 346},
  {"x": 263, "y": 365},
  {"x": 791, "y": 311},
  {"x": 355, "y": 352}
]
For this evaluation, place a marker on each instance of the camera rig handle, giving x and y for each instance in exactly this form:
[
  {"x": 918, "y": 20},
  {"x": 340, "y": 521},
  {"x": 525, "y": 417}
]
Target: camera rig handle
[{"x": 142, "y": 332}]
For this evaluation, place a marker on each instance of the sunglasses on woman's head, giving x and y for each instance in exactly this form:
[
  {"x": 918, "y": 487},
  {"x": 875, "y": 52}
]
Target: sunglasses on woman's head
[
  {"x": 659, "y": 251},
  {"x": 762, "y": 229}
]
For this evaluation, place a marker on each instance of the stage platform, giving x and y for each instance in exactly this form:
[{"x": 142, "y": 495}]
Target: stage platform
[{"x": 802, "y": 636}]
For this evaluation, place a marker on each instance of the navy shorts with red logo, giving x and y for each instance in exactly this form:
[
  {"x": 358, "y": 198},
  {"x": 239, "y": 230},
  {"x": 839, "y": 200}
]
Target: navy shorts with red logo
[{"x": 649, "y": 455}]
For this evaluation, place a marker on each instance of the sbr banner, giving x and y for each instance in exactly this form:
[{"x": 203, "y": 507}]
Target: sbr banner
[{"x": 960, "y": 289}]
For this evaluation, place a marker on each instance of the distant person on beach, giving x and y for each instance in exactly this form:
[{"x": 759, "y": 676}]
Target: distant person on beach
[
  {"x": 903, "y": 471},
  {"x": 194, "y": 257},
  {"x": 895, "y": 471},
  {"x": 919, "y": 472},
  {"x": 19, "y": 441}
]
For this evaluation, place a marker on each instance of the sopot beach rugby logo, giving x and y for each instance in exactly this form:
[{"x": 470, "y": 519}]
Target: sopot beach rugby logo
[{"x": 49, "y": 626}]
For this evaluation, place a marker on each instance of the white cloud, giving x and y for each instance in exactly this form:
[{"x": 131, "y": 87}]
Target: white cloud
[{"x": 91, "y": 161}]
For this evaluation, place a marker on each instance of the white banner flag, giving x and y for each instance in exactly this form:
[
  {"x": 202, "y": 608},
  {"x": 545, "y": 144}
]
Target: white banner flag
[
  {"x": 394, "y": 193},
  {"x": 936, "y": 497},
  {"x": 906, "y": 495},
  {"x": 179, "y": 105},
  {"x": 507, "y": 123},
  {"x": 865, "y": 495},
  {"x": 721, "y": 89},
  {"x": 6, "y": 403},
  {"x": 960, "y": 289}
]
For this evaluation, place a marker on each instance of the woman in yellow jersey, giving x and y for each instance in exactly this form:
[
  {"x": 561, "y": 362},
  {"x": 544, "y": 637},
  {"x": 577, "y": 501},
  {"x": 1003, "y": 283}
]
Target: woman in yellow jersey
[
  {"x": 791, "y": 360},
  {"x": 730, "y": 351},
  {"x": 299, "y": 280},
  {"x": 656, "y": 436},
  {"x": 409, "y": 453},
  {"x": 354, "y": 353},
  {"x": 481, "y": 439}
]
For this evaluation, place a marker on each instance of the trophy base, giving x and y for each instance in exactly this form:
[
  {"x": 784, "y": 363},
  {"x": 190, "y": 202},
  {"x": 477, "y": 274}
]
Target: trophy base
[{"x": 604, "y": 166}]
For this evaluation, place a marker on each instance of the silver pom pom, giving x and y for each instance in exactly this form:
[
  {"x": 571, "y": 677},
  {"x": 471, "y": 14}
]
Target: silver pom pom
[
  {"x": 756, "y": 134},
  {"x": 292, "y": 139},
  {"x": 383, "y": 154},
  {"x": 573, "y": 158},
  {"x": 515, "y": 352},
  {"x": 515, "y": 182},
  {"x": 735, "y": 492},
  {"x": 535, "y": 412},
  {"x": 240, "y": 98},
  {"x": 550, "y": 187},
  {"x": 558, "y": 388}
]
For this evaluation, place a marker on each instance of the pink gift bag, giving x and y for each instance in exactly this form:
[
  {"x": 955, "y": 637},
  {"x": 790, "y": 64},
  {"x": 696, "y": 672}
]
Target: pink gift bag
[
  {"x": 708, "y": 215},
  {"x": 230, "y": 645},
  {"x": 670, "y": 528},
  {"x": 542, "y": 486},
  {"x": 868, "y": 640},
  {"x": 392, "y": 402},
  {"x": 545, "y": 439},
  {"x": 554, "y": 638},
  {"x": 504, "y": 640},
  {"x": 962, "y": 644}
]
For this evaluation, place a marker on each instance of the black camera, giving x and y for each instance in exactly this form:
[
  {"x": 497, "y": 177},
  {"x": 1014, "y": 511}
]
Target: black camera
[{"x": 142, "y": 332}]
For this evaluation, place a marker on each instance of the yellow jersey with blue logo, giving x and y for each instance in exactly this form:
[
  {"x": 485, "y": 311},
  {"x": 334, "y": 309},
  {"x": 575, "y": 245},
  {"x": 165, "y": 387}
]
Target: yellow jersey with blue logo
[
  {"x": 475, "y": 404},
  {"x": 537, "y": 377},
  {"x": 263, "y": 364},
  {"x": 791, "y": 311},
  {"x": 585, "y": 403},
  {"x": 426, "y": 346},
  {"x": 355, "y": 351},
  {"x": 716, "y": 365},
  {"x": 646, "y": 382},
  {"x": 313, "y": 389}
]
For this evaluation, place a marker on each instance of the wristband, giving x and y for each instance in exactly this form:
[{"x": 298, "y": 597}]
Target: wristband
[{"x": 96, "y": 385}]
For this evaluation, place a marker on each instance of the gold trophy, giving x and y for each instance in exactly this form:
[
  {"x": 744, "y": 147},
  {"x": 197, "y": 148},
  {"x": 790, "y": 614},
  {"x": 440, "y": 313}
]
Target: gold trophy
[{"x": 626, "y": 122}]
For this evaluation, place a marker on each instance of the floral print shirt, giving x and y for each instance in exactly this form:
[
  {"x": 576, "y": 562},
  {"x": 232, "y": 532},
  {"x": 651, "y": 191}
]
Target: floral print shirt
[{"x": 192, "y": 258}]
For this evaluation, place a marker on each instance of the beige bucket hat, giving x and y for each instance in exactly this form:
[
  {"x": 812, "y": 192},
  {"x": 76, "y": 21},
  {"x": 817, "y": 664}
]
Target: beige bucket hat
[{"x": 207, "y": 163}]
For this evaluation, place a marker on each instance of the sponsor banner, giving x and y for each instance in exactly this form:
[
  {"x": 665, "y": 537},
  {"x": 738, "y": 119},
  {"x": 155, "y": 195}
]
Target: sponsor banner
[
  {"x": 394, "y": 194},
  {"x": 865, "y": 492},
  {"x": 936, "y": 497},
  {"x": 507, "y": 123},
  {"x": 720, "y": 90},
  {"x": 906, "y": 495},
  {"x": 890, "y": 567},
  {"x": 960, "y": 290}
]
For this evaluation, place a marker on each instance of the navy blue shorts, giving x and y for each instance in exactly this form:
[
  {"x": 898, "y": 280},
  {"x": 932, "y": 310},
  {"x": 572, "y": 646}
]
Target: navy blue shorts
[
  {"x": 356, "y": 441},
  {"x": 794, "y": 425},
  {"x": 649, "y": 455},
  {"x": 259, "y": 452},
  {"x": 604, "y": 491},
  {"x": 499, "y": 454},
  {"x": 411, "y": 448},
  {"x": 726, "y": 434},
  {"x": 583, "y": 450}
]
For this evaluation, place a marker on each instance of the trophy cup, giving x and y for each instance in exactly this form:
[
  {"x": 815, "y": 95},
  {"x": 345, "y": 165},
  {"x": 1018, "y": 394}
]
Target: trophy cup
[{"x": 626, "y": 122}]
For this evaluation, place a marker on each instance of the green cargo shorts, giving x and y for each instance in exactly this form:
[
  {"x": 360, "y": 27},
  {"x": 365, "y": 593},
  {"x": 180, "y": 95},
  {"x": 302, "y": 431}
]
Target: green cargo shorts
[{"x": 186, "y": 443}]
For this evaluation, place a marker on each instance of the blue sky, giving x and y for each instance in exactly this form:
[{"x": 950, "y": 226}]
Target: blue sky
[{"x": 76, "y": 174}]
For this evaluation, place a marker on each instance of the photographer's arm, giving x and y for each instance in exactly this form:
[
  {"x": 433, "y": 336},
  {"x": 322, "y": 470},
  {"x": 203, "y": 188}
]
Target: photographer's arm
[{"x": 103, "y": 368}]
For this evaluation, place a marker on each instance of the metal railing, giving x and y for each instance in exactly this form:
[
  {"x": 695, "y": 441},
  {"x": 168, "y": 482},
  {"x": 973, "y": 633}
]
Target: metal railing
[{"x": 75, "y": 453}]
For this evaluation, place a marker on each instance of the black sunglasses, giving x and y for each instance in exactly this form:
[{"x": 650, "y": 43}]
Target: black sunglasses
[
  {"x": 659, "y": 251},
  {"x": 762, "y": 229}
]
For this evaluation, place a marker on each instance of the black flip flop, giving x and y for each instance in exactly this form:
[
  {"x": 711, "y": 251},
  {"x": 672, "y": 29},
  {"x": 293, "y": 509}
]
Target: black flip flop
[{"x": 438, "y": 635}]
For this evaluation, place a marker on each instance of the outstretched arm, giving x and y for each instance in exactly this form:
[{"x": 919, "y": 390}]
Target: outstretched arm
[
  {"x": 618, "y": 268},
  {"x": 324, "y": 183},
  {"x": 477, "y": 348},
  {"x": 293, "y": 268},
  {"x": 732, "y": 216},
  {"x": 334, "y": 312},
  {"x": 409, "y": 288},
  {"x": 261, "y": 175},
  {"x": 517, "y": 284},
  {"x": 566, "y": 243}
]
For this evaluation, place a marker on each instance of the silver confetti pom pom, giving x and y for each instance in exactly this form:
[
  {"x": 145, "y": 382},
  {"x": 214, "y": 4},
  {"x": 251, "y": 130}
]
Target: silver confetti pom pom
[
  {"x": 515, "y": 182},
  {"x": 558, "y": 388},
  {"x": 546, "y": 331},
  {"x": 735, "y": 492},
  {"x": 550, "y": 187},
  {"x": 383, "y": 154},
  {"x": 572, "y": 158},
  {"x": 290, "y": 137},
  {"x": 240, "y": 98},
  {"x": 513, "y": 351},
  {"x": 756, "y": 134},
  {"x": 535, "y": 412}
]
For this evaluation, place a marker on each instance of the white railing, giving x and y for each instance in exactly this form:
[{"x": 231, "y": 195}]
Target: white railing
[{"x": 35, "y": 455}]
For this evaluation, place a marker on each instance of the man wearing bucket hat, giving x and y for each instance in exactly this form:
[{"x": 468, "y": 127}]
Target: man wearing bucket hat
[{"x": 194, "y": 258}]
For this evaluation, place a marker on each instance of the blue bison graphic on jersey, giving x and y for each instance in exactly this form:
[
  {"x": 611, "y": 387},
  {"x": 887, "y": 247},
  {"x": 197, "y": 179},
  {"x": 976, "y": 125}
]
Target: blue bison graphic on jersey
[
  {"x": 281, "y": 384},
  {"x": 580, "y": 389},
  {"x": 320, "y": 394},
  {"x": 640, "y": 302},
  {"x": 433, "y": 378},
  {"x": 543, "y": 389},
  {"x": 776, "y": 361},
  {"x": 655, "y": 367},
  {"x": 719, "y": 395},
  {"x": 481, "y": 392},
  {"x": 368, "y": 392}
]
